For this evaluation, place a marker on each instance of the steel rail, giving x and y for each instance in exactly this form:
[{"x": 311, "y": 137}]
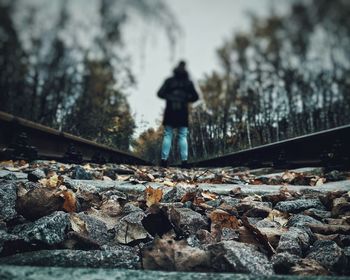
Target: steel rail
[
  {"x": 325, "y": 148},
  {"x": 55, "y": 145}
]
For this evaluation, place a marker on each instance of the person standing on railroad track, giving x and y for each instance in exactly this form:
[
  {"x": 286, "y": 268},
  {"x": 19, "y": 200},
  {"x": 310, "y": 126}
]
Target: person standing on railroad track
[{"x": 178, "y": 91}]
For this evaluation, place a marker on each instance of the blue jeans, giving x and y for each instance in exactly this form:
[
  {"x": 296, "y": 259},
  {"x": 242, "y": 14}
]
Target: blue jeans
[{"x": 182, "y": 140}]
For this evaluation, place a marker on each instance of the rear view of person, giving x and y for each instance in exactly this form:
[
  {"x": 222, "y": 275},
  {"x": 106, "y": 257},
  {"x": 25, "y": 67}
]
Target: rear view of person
[{"x": 178, "y": 91}]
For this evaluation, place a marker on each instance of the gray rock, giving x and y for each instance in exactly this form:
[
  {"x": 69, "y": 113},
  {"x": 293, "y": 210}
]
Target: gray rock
[
  {"x": 231, "y": 201},
  {"x": 49, "y": 229},
  {"x": 8, "y": 197},
  {"x": 229, "y": 234},
  {"x": 95, "y": 229},
  {"x": 8, "y": 272},
  {"x": 298, "y": 205},
  {"x": 9, "y": 175},
  {"x": 267, "y": 223},
  {"x": 115, "y": 195},
  {"x": 232, "y": 256},
  {"x": 99, "y": 186},
  {"x": 283, "y": 262},
  {"x": 317, "y": 214},
  {"x": 27, "y": 186},
  {"x": 187, "y": 221},
  {"x": 300, "y": 220},
  {"x": 214, "y": 203},
  {"x": 335, "y": 175},
  {"x": 130, "y": 229},
  {"x": 77, "y": 258},
  {"x": 129, "y": 208},
  {"x": 295, "y": 241},
  {"x": 79, "y": 173},
  {"x": 175, "y": 194},
  {"x": 328, "y": 254},
  {"x": 36, "y": 175}
]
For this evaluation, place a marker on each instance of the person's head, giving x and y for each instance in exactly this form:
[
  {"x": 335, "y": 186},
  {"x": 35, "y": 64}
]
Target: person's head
[
  {"x": 180, "y": 69},
  {"x": 182, "y": 65}
]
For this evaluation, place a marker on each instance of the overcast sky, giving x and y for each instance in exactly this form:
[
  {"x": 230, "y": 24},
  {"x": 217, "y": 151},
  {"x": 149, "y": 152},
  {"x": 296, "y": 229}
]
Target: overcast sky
[{"x": 205, "y": 24}]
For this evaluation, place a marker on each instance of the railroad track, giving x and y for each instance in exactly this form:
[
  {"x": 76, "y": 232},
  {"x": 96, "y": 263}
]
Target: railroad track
[
  {"x": 20, "y": 138},
  {"x": 328, "y": 148}
]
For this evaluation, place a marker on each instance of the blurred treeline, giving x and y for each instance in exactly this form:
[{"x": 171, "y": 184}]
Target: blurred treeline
[
  {"x": 63, "y": 63},
  {"x": 288, "y": 76}
]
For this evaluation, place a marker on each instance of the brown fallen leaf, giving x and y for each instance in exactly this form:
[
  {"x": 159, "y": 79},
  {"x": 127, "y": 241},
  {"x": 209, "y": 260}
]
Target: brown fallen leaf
[
  {"x": 70, "y": 202},
  {"x": 168, "y": 254},
  {"x": 77, "y": 224},
  {"x": 256, "y": 182},
  {"x": 208, "y": 195},
  {"x": 189, "y": 196},
  {"x": 7, "y": 163},
  {"x": 317, "y": 181},
  {"x": 262, "y": 238},
  {"x": 289, "y": 176},
  {"x": 153, "y": 196},
  {"x": 198, "y": 201},
  {"x": 224, "y": 219}
]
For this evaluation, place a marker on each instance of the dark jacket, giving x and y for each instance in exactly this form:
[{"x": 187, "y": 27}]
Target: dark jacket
[{"x": 178, "y": 91}]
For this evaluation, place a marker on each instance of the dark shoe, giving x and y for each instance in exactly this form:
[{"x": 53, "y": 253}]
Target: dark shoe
[
  {"x": 184, "y": 164},
  {"x": 164, "y": 163}
]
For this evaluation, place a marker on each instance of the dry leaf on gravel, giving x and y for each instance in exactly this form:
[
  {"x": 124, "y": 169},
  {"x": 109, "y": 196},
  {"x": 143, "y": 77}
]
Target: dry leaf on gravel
[
  {"x": 153, "y": 196},
  {"x": 278, "y": 217},
  {"x": 189, "y": 196},
  {"x": 317, "y": 181},
  {"x": 8, "y": 163},
  {"x": 168, "y": 184},
  {"x": 77, "y": 224},
  {"x": 51, "y": 182},
  {"x": 224, "y": 219},
  {"x": 262, "y": 238},
  {"x": 70, "y": 201},
  {"x": 208, "y": 195},
  {"x": 288, "y": 176}
]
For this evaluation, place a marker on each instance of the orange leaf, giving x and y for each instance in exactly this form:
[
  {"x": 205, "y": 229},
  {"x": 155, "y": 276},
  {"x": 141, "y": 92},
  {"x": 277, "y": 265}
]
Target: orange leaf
[
  {"x": 70, "y": 202},
  {"x": 224, "y": 219},
  {"x": 153, "y": 196}
]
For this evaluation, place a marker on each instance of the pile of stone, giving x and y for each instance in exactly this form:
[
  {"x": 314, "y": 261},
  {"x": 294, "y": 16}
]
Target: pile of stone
[{"x": 117, "y": 216}]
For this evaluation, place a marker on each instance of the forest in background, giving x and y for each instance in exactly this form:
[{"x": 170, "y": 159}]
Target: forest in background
[
  {"x": 63, "y": 63},
  {"x": 288, "y": 76}
]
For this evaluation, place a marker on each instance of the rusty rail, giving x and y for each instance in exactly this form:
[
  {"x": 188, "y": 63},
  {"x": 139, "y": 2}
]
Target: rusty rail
[
  {"x": 328, "y": 148},
  {"x": 22, "y": 138}
]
